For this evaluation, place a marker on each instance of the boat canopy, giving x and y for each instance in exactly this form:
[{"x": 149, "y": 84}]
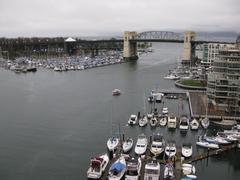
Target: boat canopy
[{"x": 117, "y": 167}]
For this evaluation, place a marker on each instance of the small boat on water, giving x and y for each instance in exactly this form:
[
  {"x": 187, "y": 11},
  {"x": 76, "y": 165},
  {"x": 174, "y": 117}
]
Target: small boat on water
[
  {"x": 226, "y": 124},
  {"x": 172, "y": 76},
  {"x": 143, "y": 121},
  {"x": 205, "y": 122},
  {"x": 163, "y": 120},
  {"x": 172, "y": 122},
  {"x": 188, "y": 169},
  {"x": 116, "y": 92},
  {"x": 153, "y": 122},
  {"x": 150, "y": 115},
  {"x": 112, "y": 143},
  {"x": 152, "y": 170},
  {"x": 127, "y": 145},
  {"x": 117, "y": 170},
  {"x": 203, "y": 143},
  {"x": 187, "y": 150},
  {"x": 158, "y": 144},
  {"x": 165, "y": 111},
  {"x": 217, "y": 139},
  {"x": 168, "y": 171},
  {"x": 133, "y": 169},
  {"x": 194, "y": 124},
  {"x": 184, "y": 123},
  {"x": 170, "y": 149},
  {"x": 141, "y": 145},
  {"x": 98, "y": 165},
  {"x": 132, "y": 120}
]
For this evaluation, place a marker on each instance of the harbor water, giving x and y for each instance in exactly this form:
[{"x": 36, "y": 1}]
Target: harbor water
[{"x": 52, "y": 123}]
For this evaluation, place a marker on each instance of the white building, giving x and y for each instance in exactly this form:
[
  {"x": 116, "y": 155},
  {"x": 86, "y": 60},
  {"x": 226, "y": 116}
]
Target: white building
[{"x": 211, "y": 51}]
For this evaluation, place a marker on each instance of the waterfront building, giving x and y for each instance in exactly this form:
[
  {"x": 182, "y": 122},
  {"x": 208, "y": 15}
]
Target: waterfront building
[
  {"x": 211, "y": 51},
  {"x": 224, "y": 81}
]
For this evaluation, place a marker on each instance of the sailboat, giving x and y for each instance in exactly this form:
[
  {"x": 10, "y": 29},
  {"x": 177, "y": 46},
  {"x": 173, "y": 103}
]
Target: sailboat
[
  {"x": 117, "y": 170},
  {"x": 205, "y": 121},
  {"x": 113, "y": 141}
]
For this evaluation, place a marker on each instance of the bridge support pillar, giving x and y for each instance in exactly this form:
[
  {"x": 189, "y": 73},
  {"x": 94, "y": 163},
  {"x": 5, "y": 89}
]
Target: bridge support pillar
[
  {"x": 129, "y": 48},
  {"x": 188, "y": 51}
]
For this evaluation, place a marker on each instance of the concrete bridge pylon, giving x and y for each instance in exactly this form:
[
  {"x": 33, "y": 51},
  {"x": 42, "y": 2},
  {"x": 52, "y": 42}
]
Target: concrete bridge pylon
[
  {"x": 188, "y": 50},
  {"x": 129, "y": 48}
]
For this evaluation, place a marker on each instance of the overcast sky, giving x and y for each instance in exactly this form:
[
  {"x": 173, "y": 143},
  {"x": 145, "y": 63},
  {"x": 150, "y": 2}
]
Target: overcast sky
[{"x": 107, "y": 17}]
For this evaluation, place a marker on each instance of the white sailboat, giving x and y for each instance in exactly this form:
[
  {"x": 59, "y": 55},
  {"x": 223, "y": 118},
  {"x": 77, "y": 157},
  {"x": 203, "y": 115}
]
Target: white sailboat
[
  {"x": 172, "y": 122},
  {"x": 127, "y": 145},
  {"x": 194, "y": 124},
  {"x": 132, "y": 120},
  {"x": 168, "y": 171},
  {"x": 112, "y": 143},
  {"x": 163, "y": 121},
  {"x": 153, "y": 122},
  {"x": 98, "y": 165},
  {"x": 205, "y": 121},
  {"x": 188, "y": 169},
  {"x": 184, "y": 123},
  {"x": 170, "y": 149},
  {"x": 203, "y": 143},
  {"x": 143, "y": 121}
]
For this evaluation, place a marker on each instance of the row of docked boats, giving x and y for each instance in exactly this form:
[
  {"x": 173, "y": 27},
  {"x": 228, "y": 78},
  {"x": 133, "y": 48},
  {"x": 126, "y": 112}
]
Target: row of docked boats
[
  {"x": 171, "y": 121},
  {"x": 157, "y": 146},
  {"x": 130, "y": 169}
]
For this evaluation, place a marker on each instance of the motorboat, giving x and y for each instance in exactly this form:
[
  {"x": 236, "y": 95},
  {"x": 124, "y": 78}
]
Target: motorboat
[
  {"x": 163, "y": 121},
  {"x": 228, "y": 137},
  {"x": 203, "y": 143},
  {"x": 217, "y": 140},
  {"x": 143, "y": 121},
  {"x": 172, "y": 122},
  {"x": 184, "y": 123},
  {"x": 132, "y": 120},
  {"x": 153, "y": 122},
  {"x": 205, "y": 122},
  {"x": 98, "y": 165},
  {"x": 194, "y": 124},
  {"x": 226, "y": 124},
  {"x": 116, "y": 92},
  {"x": 159, "y": 98},
  {"x": 187, "y": 150},
  {"x": 152, "y": 170},
  {"x": 165, "y": 111},
  {"x": 170, "y": 149},
  {"x": 141, "y": 145},
  {"x": 157, "y": 145},
  {"x": 117, "y": 169},
  {"x": 112, "y": 143},
  {"x": 168, "y": 171},
  {"x": 171, "y": 77},
  {"x": 191, "y": 177},
  {"x": 188, "y": 169},
  {"x": 133, "y": 169},
  {"x": 150, "y": 115},
  {"x": 151, "y": 99},
  {"x": 127, "y": 145}
]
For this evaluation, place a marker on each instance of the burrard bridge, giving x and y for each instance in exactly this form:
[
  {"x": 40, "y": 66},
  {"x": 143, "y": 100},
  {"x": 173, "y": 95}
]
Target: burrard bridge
[{"x": 128, "y": 43}]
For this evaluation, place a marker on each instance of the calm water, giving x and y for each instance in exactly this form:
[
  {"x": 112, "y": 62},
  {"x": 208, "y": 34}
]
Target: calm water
[{"x": 51, "y": 123}]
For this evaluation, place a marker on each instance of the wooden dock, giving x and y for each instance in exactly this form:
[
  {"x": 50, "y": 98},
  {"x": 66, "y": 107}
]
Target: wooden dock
[{"x": 177, "y": 160}]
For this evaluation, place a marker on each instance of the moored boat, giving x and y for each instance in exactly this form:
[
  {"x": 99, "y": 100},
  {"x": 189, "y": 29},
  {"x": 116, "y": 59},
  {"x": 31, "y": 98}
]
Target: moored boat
[
  {"x": 163, "y": 121},
  {"x": 184, "y": 123},
  {"x": 153, "y": 121},
  {"x": 127, "y": 145},
  {"x": 168, "y": 171},
  {"x": 194, "y": 124},
  {"x": 117, "y": 169},
  {"x": 203, "y": 143},
  {"x": 141, "y": 145},
  {"x": 112, "y": 143},
  {"x": 205, "y": 122},
  {"x": 132, "y": 120},
  {"x": 170, "y": 149},
  {"x": 143, "y": 121},
  {"x": 187, "y": 150},
  {"x": 172, "y": 122},
  {"x": 157, "y": 145},
  {"x": 152, "y": 170},
  {"x": 98, "y": 165},
  {"x": 188, "y": 169},
  {"x": 133, "y": 169}
]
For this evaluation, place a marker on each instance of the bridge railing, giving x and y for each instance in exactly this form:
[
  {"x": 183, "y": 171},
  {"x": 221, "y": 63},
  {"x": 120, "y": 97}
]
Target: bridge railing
[{"x": 159, "y": 35}]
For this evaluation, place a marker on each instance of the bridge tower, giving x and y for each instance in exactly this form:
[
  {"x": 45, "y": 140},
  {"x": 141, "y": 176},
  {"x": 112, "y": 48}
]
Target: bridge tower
[
  {"x": 130, "y": 48},
  {"x": 188, "y": 50}
]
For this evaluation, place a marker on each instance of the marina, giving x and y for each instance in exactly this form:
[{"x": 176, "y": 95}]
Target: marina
[{"x": 71, "y": 112}]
